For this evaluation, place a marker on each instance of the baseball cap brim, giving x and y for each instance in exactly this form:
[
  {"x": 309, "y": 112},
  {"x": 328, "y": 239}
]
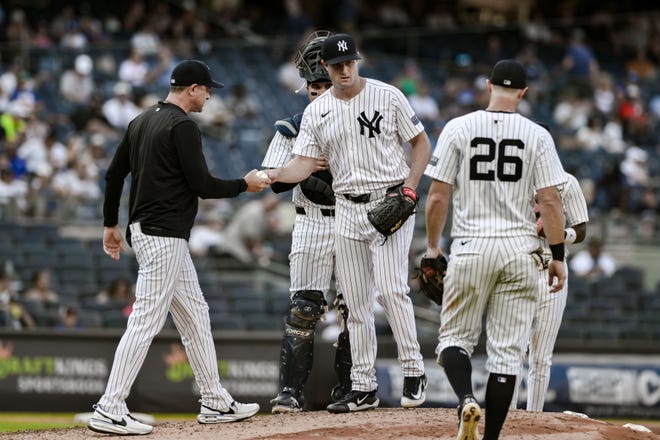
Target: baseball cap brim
[
  {"x": 215, "y": 84},
  {"x": 343, "y": 58}
]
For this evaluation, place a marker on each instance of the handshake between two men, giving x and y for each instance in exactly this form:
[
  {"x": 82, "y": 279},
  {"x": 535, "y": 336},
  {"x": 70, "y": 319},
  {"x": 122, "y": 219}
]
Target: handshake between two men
[
  {"x": 296, "y": 170},
  {"x": 257, "y": 181}
]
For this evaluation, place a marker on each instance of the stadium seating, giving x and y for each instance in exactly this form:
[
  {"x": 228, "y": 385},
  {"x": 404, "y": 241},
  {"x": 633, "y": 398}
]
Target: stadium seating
[
  {"x": 619, "y": 305},
  {"x": 114, "y": 319},
  {"x": 225, "y": 321},
  {"x": 613, "y": 309}
]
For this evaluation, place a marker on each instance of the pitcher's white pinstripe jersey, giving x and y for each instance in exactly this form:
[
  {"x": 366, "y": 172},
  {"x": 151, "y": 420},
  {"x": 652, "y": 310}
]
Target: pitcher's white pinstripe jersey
[
  {"x": 345, "y": 131},
  {"x": 278, "y": 154},
  {"x": 496, "y": 162}
]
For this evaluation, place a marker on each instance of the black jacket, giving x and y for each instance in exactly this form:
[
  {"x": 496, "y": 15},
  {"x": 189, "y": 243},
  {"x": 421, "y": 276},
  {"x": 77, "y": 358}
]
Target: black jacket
[{"x": 162, "y": 150}]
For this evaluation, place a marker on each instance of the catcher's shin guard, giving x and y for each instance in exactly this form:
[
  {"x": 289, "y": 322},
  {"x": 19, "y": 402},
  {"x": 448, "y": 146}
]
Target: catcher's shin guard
[
  {"x": 343, "y": 361},
  {"x": 297, "y": 353}
]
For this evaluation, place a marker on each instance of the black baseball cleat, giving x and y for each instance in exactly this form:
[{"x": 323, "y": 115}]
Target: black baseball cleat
[
  {"x": 414, "y": 391},
  {"x": 355, "y": 401},
  {"x": 469, "y": 414},
  {"x": 338, "y": 392},
  {"x": 285, "y": 403}
]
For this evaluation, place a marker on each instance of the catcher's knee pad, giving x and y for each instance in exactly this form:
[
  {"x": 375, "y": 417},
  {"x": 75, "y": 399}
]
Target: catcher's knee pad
[
  {"x": 307, "y": 307},
  {"x": 296, "y": 357}
]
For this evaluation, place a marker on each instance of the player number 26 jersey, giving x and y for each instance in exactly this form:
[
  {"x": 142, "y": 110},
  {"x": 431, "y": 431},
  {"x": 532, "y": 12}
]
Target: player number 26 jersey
[{"x": 495, "y": 161}]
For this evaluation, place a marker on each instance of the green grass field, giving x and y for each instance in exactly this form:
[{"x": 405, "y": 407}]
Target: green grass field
[{"x": 12, "y": 422}]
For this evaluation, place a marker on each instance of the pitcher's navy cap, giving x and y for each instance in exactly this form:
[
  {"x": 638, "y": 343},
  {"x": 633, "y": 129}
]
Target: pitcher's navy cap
[
  {"x": 339, "y": 48},
  {"x": 190, "y": 72}
]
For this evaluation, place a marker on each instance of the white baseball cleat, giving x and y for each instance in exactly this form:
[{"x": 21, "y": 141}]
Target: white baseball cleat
[
  {"x": 235, "y": 412},
  {"x": 121, "y": 424}
]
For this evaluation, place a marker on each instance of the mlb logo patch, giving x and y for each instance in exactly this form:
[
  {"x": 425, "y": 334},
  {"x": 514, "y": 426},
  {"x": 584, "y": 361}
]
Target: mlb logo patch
[{"x": 433, "y": 161}]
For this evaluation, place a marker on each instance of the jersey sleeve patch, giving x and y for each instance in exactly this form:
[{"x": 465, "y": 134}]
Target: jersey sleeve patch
[
  {"x": 414, "y": 119},
  {"x": 433, "y": 161}
]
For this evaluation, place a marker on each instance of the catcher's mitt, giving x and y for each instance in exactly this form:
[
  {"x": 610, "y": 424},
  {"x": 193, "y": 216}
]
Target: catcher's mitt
[
  {"x": 431, "y": 277},
  {"x": 393, "y": 211}
]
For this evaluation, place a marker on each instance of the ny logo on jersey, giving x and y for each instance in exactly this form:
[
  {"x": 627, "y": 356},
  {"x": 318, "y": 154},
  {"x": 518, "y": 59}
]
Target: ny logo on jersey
[{"x": 372, "y": 124}]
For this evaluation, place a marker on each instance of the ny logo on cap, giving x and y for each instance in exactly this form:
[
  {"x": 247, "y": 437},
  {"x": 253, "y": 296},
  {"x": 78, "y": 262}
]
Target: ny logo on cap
[{"x": 342, "y": 46}]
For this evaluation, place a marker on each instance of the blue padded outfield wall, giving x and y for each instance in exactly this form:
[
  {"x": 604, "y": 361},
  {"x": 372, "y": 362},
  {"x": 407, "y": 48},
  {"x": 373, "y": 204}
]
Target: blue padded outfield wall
[
  {"x": 598, "y": 385},
  {"x": 58, "y": 371}
]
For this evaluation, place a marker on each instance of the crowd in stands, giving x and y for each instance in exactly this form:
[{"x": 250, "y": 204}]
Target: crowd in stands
[
  {"x": 69, "y": 87},
  {"x": 39, "y": 305},
  {"x": 72, "y": 76}
]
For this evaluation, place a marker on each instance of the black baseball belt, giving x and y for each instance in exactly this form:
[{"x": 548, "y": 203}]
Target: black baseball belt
[
  {"x": 366, "y": 198},
  {"x": 325, "y": 212}
]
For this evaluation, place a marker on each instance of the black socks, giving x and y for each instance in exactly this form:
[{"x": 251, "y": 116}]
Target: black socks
[
  {"x": 499, "y": 389},
  {"x": 458, "y": 369},
  {"x": 499, "y": 392}
]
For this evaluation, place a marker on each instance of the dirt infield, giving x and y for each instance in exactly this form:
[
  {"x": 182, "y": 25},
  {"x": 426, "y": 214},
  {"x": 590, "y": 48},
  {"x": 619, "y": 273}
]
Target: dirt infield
[{"x": 422, "y": 423}]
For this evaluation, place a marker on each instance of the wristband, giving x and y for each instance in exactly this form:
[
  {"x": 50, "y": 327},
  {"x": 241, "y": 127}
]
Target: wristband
[
  {"x": 569, "y": 236},
  {"x": 557, "y": 251},
  {"x": 409, "y": 192}
]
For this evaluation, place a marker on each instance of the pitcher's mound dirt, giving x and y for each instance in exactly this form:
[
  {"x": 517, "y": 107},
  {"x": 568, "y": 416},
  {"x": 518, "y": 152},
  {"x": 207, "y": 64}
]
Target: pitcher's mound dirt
[{"x": 379, "y": 424}]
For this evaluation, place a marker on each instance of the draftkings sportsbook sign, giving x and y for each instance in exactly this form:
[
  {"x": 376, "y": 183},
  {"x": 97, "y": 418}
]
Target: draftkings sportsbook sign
[{"x": 70, "y": 373}]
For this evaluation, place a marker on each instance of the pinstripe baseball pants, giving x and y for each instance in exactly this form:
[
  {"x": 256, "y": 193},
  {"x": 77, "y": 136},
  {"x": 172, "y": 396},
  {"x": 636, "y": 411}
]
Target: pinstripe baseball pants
[
  {"x": 498, "y": 276},
  {"x": 541, "y": 341},
  {"x": 367, "y": 268},
  {"x": 167, "y": 281},
  {"x": 312, "y": 256}
]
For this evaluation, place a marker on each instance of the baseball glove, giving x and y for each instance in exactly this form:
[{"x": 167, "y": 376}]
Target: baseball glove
[
  {"x": 393, "y": 211},
  {"x": 431, "y": 277}
]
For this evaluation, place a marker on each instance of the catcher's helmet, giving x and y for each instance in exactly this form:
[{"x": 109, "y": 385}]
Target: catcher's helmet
[{"x": 308, "y": 58}]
